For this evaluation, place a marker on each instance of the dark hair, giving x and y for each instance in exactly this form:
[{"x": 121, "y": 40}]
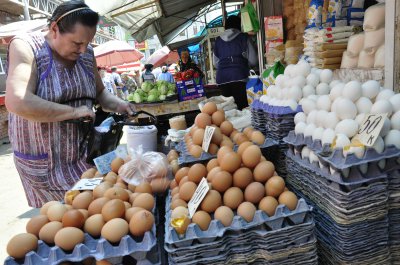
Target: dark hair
[
  {"x": 233, "y": 22},
  {"x": 148, "y": 66},
  {"x": 86, "y": 17}
]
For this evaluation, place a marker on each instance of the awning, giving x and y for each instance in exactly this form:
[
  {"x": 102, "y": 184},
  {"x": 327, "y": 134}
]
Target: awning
[
  {"x": 16, "y": 28},
  {"x": 185, "y": 43}
]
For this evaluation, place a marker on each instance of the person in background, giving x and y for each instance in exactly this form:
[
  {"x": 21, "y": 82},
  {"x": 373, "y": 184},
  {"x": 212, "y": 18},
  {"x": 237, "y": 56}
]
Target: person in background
[
  {"x": 234, "y": 55},
  {"x": 118, "y": 82},
  {"x": 107, "y": 82},
  {"x": 52, "y": 78},
  {"x": 148, "y": 75},
  {"x": 129, "y": 83},
  {"x": 165, "y": 75},
  {"x": 186, "y": 63}
]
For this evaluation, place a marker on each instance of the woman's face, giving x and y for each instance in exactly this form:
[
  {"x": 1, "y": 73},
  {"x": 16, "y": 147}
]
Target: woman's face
[{"x": 185, "y": 57}]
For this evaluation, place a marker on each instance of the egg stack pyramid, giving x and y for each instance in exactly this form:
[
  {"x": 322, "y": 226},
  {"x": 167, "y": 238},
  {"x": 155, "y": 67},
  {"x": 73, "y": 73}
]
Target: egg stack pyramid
[{"x": 247, "y": 216}]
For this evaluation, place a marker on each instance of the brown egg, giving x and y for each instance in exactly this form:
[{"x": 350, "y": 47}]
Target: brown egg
[
  {"x": 49, "y": 231},
  {"x": 127, "y": 205},
  {"x": 212, "y": 173},
  {"x": 198, "y": 136},
  {"x": 202, "y": 120},
  {"x": 246, "y": 210},
  {"x": 226, "y": 128},
  {"x": 254, "y": 192},
  {"x": 242, "y": 177},
  {"x": 144, "y": 187},
  {"x": 263, "y": 158},
  {"x": 116, "y": 164},
  {"x": 114, "y": 208},
  {"x": 227, "y": 143},
  {"x": 69, "y": 207},
  {"x": 173, "y": 184},
  {"x": 121, "y": 185},
  {"x": 224, "y": 214},
  {"x": 56, "y": 212},
  {"x": 217, "y": 136},
  {"x": 131, "y": 211},
  {"x": 47, "y": 205},
  {"x": 248, "y": 131},
  {"x": 159, "y": 185},
  {"x": 195, "y": 151},
  {"x": 83, "y": 200},
  {"x": 286, "y": 189},
  {"x": 263, "y": 171},
  {"x": 211, "y": 164},
  {"x": 268, "y": 204},
  {"x": 172, "y": 155},
  {"x": 251, "y": 156},
  {"x": 101, "y": 189},
  {"x": 182, "y": 172},
  {"x": 132, "y": 197},
  {"x": 88, "y": 174},
  {"x": 103, "y": 262},
  {"x": 177, "y": 203},
  {"x": 111, "y": 177},
  {"x": 202, "y": 219},
  {"x": 187, "y": 190},
  {"x": 141, "y": 222},
  {"x": 211, "y": 201},
  {"x": 73, "y": 218},
  {"x": 257, "y": 137},
  {"x": 145, "y": 201},
  {"x": 213, "y": 149},
  {"x": 233, "y": 134},
  {"x": 218, "y": 117},
  {"x": 36, "y": 223},
  {"x": 115, "y": 229},
  {"x": 175, "y": 197},
  {"x": 70, "y": 196},
  {"x": 233, "y": 197},
  {"x": 209, "y": 108},
  {"x": 175, "y": 166},
  {"x": 230, "y": 162},
  {"x": 131, "y": 187},
  {"x": 117, "y": 193},
  {"x": 192, "y": 129},
  {"x": 179, "y": 212},
  {"x": 85, "y": 213},
  {"x": 21, "y": 244},
  {"x": 175, "y": 191},
  {"x": 68, "y": 237},
  {"x": 94, "y": 224},
  {"x": 183, "y": 181},
  {"x": 275, "y": 186},
  {"x": 222, "y": 152},
  {"x": 243, "y": 146},
  {"x": 222, "y": 181},
  {"x": 289, "y": 199},
  {"x": 197, "y": 172},
  {"x": 240, "y": 138},
  {"x": 96, "y": 205}
]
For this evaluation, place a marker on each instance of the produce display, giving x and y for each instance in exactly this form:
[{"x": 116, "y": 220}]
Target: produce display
[{"x": 153, "y": 92}]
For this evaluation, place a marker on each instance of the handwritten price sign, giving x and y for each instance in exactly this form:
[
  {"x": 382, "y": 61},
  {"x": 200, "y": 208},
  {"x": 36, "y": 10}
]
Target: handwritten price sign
[
  {"x": 371, "y": 128},
  {"x": 198, "y": 197},
  {"x": 208, "y": 133}
]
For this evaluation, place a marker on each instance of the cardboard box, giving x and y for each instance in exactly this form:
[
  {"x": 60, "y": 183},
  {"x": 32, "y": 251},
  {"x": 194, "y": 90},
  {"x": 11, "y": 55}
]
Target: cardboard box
[{"x": 190, "y": 89}]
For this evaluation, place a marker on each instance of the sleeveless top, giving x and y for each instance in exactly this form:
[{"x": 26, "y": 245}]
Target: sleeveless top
[
  {"x": 50, "y": 150},
  {"x": 232, "y": 66},
  {"x": 148, "y": 76}
]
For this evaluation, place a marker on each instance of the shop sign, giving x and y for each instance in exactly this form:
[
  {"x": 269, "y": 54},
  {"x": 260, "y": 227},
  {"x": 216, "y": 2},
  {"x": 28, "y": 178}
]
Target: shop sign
[
  {"x": 207, "y": 137},
  {"x": 87, "y": 184},
  {"x": 105, "y": 23},
  {"x": 141, "y": 45},
  {"x": 198, "y": 197},
  {"x": 370, "y": 128},
  {"x": 215, "y": 32}
]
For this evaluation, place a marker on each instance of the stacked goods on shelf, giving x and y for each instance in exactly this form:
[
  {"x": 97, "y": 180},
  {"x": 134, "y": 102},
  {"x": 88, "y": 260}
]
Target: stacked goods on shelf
[
  {"x": 366, "y": 50},
  {"x": 300, "y": 9},
  {"x": 327, "y": 160},
  {"x": 112, "y": 222},
  {"x": 246, "y": 216}
]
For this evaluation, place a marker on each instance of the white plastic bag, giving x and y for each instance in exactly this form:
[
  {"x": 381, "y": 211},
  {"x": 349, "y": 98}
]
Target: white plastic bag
[{"x": 223, "y": 103}]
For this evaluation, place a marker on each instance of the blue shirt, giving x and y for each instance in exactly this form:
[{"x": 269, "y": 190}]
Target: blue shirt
[{"x": 167, "y": 76}]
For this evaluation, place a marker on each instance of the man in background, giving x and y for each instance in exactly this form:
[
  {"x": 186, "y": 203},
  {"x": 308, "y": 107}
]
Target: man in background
[{"x": 118, "y": 82}]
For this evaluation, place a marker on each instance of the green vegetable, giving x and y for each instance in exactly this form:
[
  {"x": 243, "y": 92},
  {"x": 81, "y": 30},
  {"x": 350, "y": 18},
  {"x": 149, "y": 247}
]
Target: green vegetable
[
  {"x": 137, "y": 98},
  {"x": 130, "y": 97},
  {"x": 154, "y": 92},
  {"x": 162, "y": 97},
  {"x": 170, "y": 93},
  {"x": 152, "y": 98},
  {"x": 163, "y": 89},
  {"x": 147, "y": 86}
]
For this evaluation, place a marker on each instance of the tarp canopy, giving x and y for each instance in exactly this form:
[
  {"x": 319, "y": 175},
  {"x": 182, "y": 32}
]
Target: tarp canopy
[
  {"x": 20, "y": 27},
  {"x": 145, "y": 18}
]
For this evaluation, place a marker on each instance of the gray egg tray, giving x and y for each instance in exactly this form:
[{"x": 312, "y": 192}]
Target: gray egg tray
[
  {"x": 278, "y": 110},
  {"x": 394, "y": 189}
]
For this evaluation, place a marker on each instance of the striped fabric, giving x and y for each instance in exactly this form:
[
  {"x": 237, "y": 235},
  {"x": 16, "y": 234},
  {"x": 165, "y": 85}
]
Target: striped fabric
[{"x": 46, "y": 155}]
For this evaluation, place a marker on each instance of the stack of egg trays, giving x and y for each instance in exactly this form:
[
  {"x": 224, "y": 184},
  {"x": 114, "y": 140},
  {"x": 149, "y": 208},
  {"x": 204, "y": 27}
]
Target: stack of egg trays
[
  {"x": 394, "y": 209},
  {"x": 272, "y": 239},
  {"x": 257, "y": 116},
  {"x": 350, "y": 212}
]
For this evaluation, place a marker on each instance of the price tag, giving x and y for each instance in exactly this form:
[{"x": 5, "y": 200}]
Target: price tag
[
  {"x": 103, "y": 163},
  {"x": 198, "y": 197},
  {"x": 207, "y": 137},
  {"x": 370, "y": 128},
  {"x": 87, "y": 184}
]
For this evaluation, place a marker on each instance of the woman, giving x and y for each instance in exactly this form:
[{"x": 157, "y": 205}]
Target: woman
[
  {"x": 107, "y": 82},
  {"x": 186, "y": 63},
  {"x": 165, "y": 75},
  {"x": 129, "y": 83},
  {"x": 53, "y": 78},
  {"x": 148, "y": 75}
]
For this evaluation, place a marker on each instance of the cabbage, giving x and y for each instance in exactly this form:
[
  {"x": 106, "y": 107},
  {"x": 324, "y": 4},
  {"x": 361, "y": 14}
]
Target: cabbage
[
  {"x": 130, "y": 97},
  {"x": 162, "y": 97},
  {"x": 147, "y": 86},
  {"x": 140, "y": 92},
  {"x": 154, "y": 92},
  {"x": 171, "y": 86},
  {"x": 163, "y": 89},
  {"x": 152, "y": 98},
  {"x": 137, "y": 98},
  {"x": 170, "y": 93}
]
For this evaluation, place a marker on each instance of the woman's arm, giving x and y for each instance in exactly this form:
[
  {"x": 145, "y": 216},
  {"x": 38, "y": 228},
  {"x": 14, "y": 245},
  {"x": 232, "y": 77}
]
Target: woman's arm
[{"x": 21, "y": 87}]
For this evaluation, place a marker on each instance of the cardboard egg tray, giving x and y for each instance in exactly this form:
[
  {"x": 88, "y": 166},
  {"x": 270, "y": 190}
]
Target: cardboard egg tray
[{"x": 258, "y": 120}]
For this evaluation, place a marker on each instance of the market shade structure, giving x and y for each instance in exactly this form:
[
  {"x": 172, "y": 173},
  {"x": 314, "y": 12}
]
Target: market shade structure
[
  {"x": 10, "y": 30},
  {"x": 115, "y": 52},
  {"x": 163, "y": 56}
]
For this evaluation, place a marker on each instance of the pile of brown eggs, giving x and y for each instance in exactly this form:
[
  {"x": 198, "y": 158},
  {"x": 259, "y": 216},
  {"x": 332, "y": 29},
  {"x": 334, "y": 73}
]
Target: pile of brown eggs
[
  {"x": 112, "y": 210},
  {"x": 240, "y": 183},
  {"x": 224, "y": 135}
]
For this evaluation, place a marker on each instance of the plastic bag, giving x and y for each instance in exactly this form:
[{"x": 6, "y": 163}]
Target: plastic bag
[
  {"x": 223, "y": 103},
  {"x": 269, "y": 75},
  {"x": 144, "y": 167},
  {"x": 249, "y": 17},
  {"x": 254, "y": 87},
  {"x": 314, "y": 15}
]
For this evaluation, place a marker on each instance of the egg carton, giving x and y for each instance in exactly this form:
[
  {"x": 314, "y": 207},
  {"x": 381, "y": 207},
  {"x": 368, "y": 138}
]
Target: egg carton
[
  {"x": 278, "y": 110},
  {"x": 394, "y": 189}
]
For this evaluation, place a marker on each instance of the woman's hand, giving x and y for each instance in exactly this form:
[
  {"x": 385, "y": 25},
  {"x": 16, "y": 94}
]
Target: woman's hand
[
  {"x": 83, "y": 112},
  {"x": 126, "y": 107}
]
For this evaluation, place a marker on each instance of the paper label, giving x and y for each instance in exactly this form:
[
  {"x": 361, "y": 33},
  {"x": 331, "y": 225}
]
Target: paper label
[
  {"x": 198, "y": 197},
  {"x": 370, "y": 128},
  {"x": 103, "y": 163},
  {"x": 207, "y": 137},
  {"x": 87, "y": 184}
]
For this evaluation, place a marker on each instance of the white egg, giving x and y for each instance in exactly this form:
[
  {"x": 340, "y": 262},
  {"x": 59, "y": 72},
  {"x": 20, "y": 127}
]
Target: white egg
[
  {"x": 313, "y": 158},
  {"x": 363, "y": 105},
  {"x": 334, "y": 104},
  {"x": 303, "y": 68},
  {"x": 308, "y": 105},
  {"x": 263, "y": 98},
  {"x": 395, "y": 101},
  {"x": 295, "y": 93},
  {"x": 379, "y": 145},
  {"x": 393, "y": 138},
  {"x": 279, "y": 80},
  {"x": 316, "y": 71},
  {"x": 309, "y": 130},
  {"x": 300, "y": 128},
  {"x": 385, "y": 94},
  {"x": 285, "y": 93},
  {"x": 322, "y": 89},
  {"x": 317, "y": 134},
  {"x": 382, "y": 106},
  {"x": 342, "y": 141},
  {"x": 300, "y": 117},
  {"x": 312, "y": 117},
  {"x": 326, "y": 76},
  {"x": 299, "y": 81},
  {"x": 347, "y": 127},
  {"x": 312, "y": 80},
  {"x": 360, "y": 118},
  {"x": 334, "y": 83},
  {"x": 336, "y": 91},
  {"x": 385, "y": 128},
  {"x": 395, "y": 121},
  {"x": 305, "y": 152},
  {"x": 292, "y": 104},
  {"x": 308, "y": 90},
  {"x": 324, "y": 103},
  {"x": 321, "y": 116},
  {"x": 327, "y": 136},
  {"x": 352, "y": 90},
  {"x": 370, "y": 89},
  {"x": 358, "y": 151},
  {"x": 346, "y": 109},
  {"x": 331, "y": 120},
  {"x": 289, "y": 70},
  {"x": 313, "y": 97}
]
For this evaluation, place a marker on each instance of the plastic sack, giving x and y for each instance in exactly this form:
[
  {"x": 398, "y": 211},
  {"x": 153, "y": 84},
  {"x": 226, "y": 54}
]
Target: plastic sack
[
  {"x": 374, "y": 17},
  {"x": 250, "y": 22},
  {"x": 144, "y": 167},
  {"x": 239, "y": 119},
  {"x": 355, "y": 44},
  {"x": 254, "y": 87},
  {"x": 380, "y": 57},
  {"x": 349, "y": 61},
  {"x": 366, "y": 60},
  {"x": 269, "y": 75},
  {"x": 314, "y": 15},
  {"x": 223, "y": 103}
]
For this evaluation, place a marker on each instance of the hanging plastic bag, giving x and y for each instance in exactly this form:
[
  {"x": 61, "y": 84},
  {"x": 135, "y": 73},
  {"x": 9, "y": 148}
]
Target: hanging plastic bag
[
  {"x": 269, "y": 75},
  {"x": 249, "y": 17},
  {"x": 254, "y": 87}
]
